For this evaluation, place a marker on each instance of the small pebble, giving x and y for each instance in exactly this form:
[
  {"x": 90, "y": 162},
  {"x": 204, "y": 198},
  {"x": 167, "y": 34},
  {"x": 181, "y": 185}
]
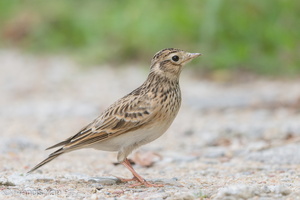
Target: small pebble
[{"x": 104, "y": 180}]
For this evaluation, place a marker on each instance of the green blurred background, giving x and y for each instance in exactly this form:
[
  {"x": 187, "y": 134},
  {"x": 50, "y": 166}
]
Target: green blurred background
[{"x": 254, "y": 36}]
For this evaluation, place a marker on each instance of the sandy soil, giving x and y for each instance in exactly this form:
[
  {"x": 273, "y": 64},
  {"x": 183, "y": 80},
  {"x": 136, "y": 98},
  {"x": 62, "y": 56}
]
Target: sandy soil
[{"x": 229, "y": 141}]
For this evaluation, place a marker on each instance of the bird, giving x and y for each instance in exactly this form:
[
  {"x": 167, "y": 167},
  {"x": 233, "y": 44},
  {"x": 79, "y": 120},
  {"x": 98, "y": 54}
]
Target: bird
[{"x": 136, "y": 119}]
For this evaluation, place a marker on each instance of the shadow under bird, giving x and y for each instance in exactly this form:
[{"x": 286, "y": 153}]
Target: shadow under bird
[{"x": 136, "y": 119}]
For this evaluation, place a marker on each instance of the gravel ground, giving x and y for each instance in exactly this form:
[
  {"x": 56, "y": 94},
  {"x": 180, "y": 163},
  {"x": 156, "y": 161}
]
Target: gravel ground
[{"x": 229, "y": 141}]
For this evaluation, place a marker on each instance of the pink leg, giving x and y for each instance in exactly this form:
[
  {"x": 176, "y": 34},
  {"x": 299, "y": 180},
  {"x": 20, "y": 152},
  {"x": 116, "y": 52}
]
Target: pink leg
[
  {"x": 137, "y": 177},
  {"x": 126, "y": 179}
]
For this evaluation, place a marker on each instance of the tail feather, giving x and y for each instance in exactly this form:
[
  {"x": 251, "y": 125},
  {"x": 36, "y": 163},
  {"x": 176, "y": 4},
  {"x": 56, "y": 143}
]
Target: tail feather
[
  {"x": 58, "y": 144},
  {"x": 50, "y": 158}
]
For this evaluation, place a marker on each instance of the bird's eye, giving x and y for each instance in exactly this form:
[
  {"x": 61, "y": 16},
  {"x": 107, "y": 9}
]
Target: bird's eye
[{"x": 175, "y": 58}]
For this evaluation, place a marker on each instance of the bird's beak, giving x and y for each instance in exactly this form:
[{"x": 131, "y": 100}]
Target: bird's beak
[
  {"x": 190, "y": 56},
  {"x": 193, "y": 55}
]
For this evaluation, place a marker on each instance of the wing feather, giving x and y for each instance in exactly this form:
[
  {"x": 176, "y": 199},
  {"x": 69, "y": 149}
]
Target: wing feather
[{"x": 125, "y": 115}]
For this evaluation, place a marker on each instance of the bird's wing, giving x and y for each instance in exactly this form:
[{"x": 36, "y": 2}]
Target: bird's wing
[{"x": 127, "y": 114}]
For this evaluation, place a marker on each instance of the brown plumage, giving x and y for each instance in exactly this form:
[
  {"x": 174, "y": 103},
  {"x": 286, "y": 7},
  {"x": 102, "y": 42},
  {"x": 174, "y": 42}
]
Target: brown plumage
[{"x": 139, "y": 117}]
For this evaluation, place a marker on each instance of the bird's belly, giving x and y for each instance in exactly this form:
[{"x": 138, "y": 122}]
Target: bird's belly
[{"x": 134, "y": 138}]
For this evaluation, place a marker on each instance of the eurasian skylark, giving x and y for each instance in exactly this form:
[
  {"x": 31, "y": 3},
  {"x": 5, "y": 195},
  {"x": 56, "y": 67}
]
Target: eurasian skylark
[{"x": 136, "y": 119}]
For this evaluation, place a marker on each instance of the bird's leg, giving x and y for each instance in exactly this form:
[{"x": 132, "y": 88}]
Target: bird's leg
[
  {"x": 137, "y": 177},
  {"x": 126, "y": 179}
]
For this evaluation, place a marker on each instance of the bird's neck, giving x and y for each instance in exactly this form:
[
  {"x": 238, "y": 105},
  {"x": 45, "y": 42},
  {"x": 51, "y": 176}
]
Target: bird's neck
[{"x": 161, "y": 80}]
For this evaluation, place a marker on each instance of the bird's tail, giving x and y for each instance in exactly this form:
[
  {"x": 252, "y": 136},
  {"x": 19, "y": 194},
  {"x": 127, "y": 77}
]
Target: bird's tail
[{"x": 50, "y": 158}]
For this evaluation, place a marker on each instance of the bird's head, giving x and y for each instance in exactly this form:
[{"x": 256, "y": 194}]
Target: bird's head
[{"x": 169, "y": 62}]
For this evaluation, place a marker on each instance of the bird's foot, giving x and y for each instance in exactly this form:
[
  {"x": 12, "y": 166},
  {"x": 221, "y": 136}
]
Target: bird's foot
[
  {"x": 137, "y": 177},
  {"x": 146, "y": 183},
  {"x": 126, "y": 179},
  {"x": 140, "y": 183}
]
